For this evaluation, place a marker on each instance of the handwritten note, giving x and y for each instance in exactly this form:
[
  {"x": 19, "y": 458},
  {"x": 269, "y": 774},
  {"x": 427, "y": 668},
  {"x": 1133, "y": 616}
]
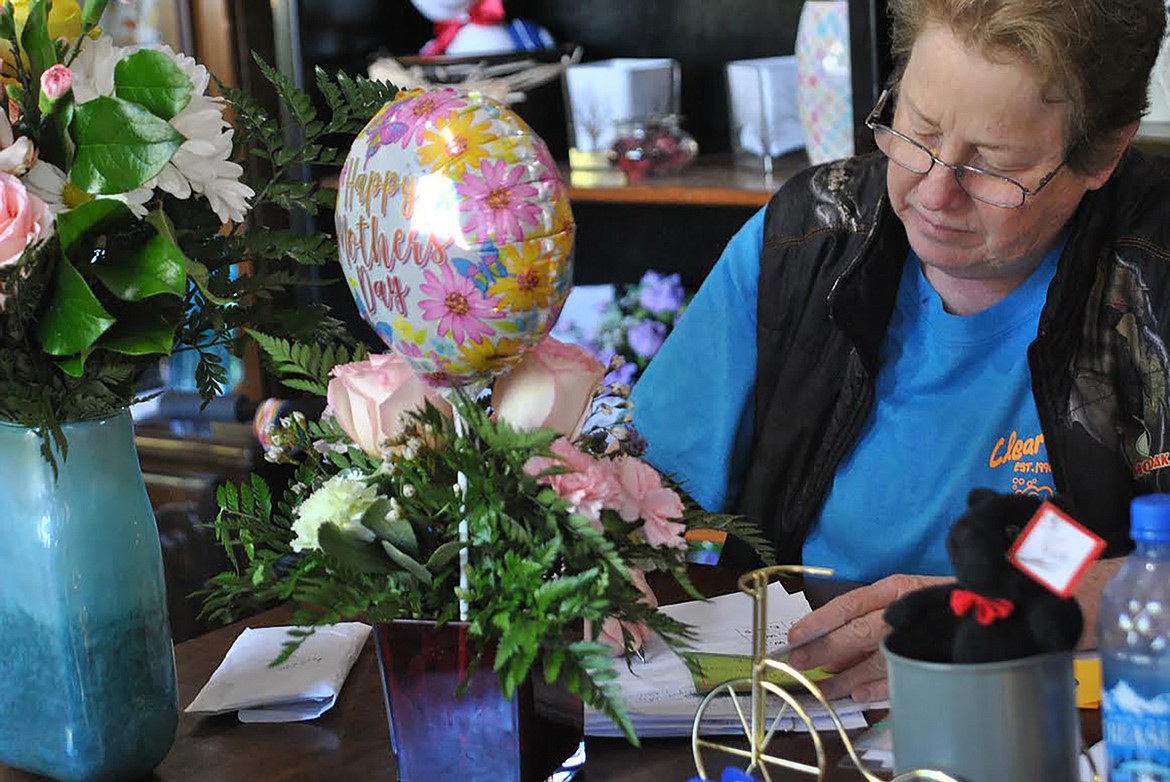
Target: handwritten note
[{"x": 660, "y": 692}]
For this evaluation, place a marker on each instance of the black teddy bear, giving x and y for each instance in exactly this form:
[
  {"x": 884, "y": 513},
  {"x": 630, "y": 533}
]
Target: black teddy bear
[{"x": 995, "y": 611}]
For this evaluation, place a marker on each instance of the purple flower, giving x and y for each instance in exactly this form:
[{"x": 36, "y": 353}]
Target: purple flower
[
  {"x": 646, "y": 337},
  {"x": 623, "y": 374},
  {"x": 661, "y": 293}
]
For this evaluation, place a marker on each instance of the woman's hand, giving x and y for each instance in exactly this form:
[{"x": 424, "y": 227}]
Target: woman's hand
[{"x": 848, "y": 631}]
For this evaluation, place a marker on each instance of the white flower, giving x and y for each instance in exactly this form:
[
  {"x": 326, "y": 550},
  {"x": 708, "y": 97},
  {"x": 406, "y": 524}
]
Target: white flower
[
  {"x": 52, "y": 186},
  {"x": 341, "y": 500},
  {"x": 93, "y": 70},
  {"x": 201, "y": 165}
]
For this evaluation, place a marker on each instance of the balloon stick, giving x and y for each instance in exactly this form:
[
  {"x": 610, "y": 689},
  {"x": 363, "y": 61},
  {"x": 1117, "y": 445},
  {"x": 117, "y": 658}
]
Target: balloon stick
[{"x": 461, "y": 482}]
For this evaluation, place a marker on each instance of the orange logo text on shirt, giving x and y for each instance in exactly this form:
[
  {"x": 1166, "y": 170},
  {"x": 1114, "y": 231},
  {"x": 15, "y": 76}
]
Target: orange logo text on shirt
[{"x": 1015, "y": 449}]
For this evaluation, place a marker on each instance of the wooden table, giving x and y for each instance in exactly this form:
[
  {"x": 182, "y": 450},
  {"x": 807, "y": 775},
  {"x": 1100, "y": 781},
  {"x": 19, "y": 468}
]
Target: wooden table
[{"x": 351, "y": 741}]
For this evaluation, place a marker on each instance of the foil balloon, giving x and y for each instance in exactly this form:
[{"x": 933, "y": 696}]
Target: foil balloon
[{"x": 455, "y": 234}]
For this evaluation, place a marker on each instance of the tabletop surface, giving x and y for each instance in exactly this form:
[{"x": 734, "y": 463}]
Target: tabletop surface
[{"x": 351, "y": 741}]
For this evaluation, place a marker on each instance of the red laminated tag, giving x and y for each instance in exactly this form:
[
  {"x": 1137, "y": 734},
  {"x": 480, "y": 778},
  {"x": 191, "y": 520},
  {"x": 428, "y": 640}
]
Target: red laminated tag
[{"x": 1055, "y": 550}]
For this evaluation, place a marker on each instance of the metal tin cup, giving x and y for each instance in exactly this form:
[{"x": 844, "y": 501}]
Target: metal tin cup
[{"x": 1011, "y": 721}]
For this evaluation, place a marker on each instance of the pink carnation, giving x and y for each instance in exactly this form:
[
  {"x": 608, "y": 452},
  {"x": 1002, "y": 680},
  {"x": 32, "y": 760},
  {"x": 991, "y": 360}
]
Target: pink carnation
[
  {"x": 588, "y": 488},
  {"x": 642, "y": 496}
]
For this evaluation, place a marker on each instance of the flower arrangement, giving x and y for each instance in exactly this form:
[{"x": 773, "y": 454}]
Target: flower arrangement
[
  {"x": 511, "y": 510},
  {"x": 636, "y": 323},
  {"x": 121, "y": 212}
]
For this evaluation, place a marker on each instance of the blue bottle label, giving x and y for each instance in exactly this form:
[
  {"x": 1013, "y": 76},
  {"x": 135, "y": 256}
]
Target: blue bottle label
[{"x": 1137, "y": 732}]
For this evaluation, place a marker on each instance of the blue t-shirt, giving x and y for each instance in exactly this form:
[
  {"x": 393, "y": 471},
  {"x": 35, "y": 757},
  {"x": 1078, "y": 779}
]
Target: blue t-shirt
[{"x": 966, "y": 377}]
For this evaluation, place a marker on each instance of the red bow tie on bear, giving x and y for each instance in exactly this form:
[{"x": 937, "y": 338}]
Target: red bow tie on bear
[
  {"x": 483, "y": 12},
  {"x": 987, "y": 609}
]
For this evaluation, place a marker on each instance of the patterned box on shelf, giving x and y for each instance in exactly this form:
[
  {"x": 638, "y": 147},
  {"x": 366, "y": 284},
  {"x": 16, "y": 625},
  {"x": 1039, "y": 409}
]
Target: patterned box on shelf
[{"x": 824, "y": 88}]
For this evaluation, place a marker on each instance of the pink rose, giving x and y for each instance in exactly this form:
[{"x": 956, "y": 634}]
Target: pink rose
[
  {"x": 611, "y": 627},
  {"x": 588, "y": 487},
  {"x": 369, "y": 399},
  {"x": 16, "y": 154},
  {"x": 56, "y": 82},
  {"x": 24, "y": 220},
  {"x": 550, "y": 387},
  {"x": 642, "y": 496}
]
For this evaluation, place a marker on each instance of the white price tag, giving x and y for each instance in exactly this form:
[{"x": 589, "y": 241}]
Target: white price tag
[{"x": 1055, "y": 550}]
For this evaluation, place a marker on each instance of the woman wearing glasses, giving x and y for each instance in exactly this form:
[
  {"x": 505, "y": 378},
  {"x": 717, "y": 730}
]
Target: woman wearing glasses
[{"x": 985, "y": 302}]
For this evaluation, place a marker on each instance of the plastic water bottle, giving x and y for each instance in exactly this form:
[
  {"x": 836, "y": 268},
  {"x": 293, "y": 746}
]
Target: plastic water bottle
[{"x": 1134, "y": 639}]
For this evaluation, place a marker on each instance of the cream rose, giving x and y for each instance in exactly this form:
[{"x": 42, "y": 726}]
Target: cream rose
[
  {"x": 24, "y": 220},
  {"x": 550, "y": 387},
  {"x": 369, "y": 398}
]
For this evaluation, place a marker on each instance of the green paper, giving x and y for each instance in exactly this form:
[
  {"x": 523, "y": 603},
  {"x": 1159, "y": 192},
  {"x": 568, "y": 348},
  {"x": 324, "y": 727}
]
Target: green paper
[{"x": 711, "y": 670}]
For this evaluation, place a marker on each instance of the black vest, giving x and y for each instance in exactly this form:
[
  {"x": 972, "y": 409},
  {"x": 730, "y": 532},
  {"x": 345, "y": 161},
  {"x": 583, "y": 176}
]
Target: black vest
[{"x": 829, "y": 271}]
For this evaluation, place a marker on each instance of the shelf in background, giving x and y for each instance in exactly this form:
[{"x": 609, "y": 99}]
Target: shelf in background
[{"x": 712, "y": 180}]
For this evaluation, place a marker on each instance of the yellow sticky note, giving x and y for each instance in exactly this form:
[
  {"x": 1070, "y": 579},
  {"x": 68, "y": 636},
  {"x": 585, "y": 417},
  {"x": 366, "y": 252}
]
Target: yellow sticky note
[
  {"x": 715, "y": 669},
  {"x": 1087, "y": 672}
]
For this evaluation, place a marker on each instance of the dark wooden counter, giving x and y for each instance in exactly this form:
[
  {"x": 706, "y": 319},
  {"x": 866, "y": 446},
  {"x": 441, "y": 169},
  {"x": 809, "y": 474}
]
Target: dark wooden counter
[{"x": 351, "y": 741}]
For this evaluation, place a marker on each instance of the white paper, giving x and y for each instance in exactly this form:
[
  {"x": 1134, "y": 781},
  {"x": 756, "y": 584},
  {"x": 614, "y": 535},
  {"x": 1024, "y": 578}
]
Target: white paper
[
  {"x": 1055, "y": 550},
  {"x": 660, "y": 692},
  {"x": 303, "y": 687},
  {"x": 580, "y": 316},
  {"x": 762, "y": 97},
  {"x": 724, "y": 624}
]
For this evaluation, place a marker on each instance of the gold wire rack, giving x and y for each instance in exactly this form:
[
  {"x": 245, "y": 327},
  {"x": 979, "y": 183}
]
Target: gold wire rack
[{"x": 758, "y": 729}]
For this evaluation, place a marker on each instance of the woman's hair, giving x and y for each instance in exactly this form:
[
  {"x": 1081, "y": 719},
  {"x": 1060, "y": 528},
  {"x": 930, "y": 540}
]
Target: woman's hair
[{"x": 1095, "y": 55}]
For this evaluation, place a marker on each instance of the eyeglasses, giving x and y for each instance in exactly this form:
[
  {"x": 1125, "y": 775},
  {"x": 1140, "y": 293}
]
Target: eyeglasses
[{"x": 981, "y": 185}]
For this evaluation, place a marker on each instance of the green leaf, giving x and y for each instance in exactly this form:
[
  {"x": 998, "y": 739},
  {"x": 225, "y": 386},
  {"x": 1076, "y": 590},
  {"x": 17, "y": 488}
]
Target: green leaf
[
  {"x": 143, "y": 336},
  {"x": 74, "y": 366},
  {"x": 362, "y": 557},
  {"x": 155, "y": 268},
  {"x": 397, "y": 532},
  {"x": 120, "y": 145},
  {"x": 152, "y": 80},
  {"x": 444, "y": 554},
  {"x": 406, "y": 562},
  {"x": 74, "y": 319},
  {"x": 36, "y": 41},
  {"x": 100, "y": 215},
  {"x": 91, "y": 12}
]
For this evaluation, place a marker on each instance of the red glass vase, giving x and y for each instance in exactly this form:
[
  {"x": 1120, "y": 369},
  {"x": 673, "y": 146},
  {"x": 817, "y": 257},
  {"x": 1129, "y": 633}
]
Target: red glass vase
[{"x": 479, "y": 735}]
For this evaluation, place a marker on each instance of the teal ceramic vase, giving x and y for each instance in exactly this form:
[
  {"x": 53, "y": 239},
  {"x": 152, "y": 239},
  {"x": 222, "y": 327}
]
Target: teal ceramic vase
[{"x": 87, "y": 667}]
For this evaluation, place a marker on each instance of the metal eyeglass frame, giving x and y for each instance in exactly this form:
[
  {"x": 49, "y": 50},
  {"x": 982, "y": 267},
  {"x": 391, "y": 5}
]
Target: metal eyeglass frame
[{"x": 958, "y": 169}]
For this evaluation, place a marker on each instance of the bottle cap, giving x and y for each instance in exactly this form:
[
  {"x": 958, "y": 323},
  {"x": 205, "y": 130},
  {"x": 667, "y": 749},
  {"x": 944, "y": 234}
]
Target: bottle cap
[{"x": 1150, "y": 518}]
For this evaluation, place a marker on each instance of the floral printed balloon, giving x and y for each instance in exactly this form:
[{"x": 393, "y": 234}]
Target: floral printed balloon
[{"x": 456, "y": 235}]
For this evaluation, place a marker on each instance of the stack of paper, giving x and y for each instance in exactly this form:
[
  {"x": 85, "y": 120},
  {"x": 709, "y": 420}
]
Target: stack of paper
[
  {"x": 661, "y": 695},
  {"x": 303, "y": 687}
]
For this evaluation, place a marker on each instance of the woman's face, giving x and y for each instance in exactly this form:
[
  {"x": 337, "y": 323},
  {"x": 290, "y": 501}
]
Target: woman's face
[{"x": 967, "y": 109}]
